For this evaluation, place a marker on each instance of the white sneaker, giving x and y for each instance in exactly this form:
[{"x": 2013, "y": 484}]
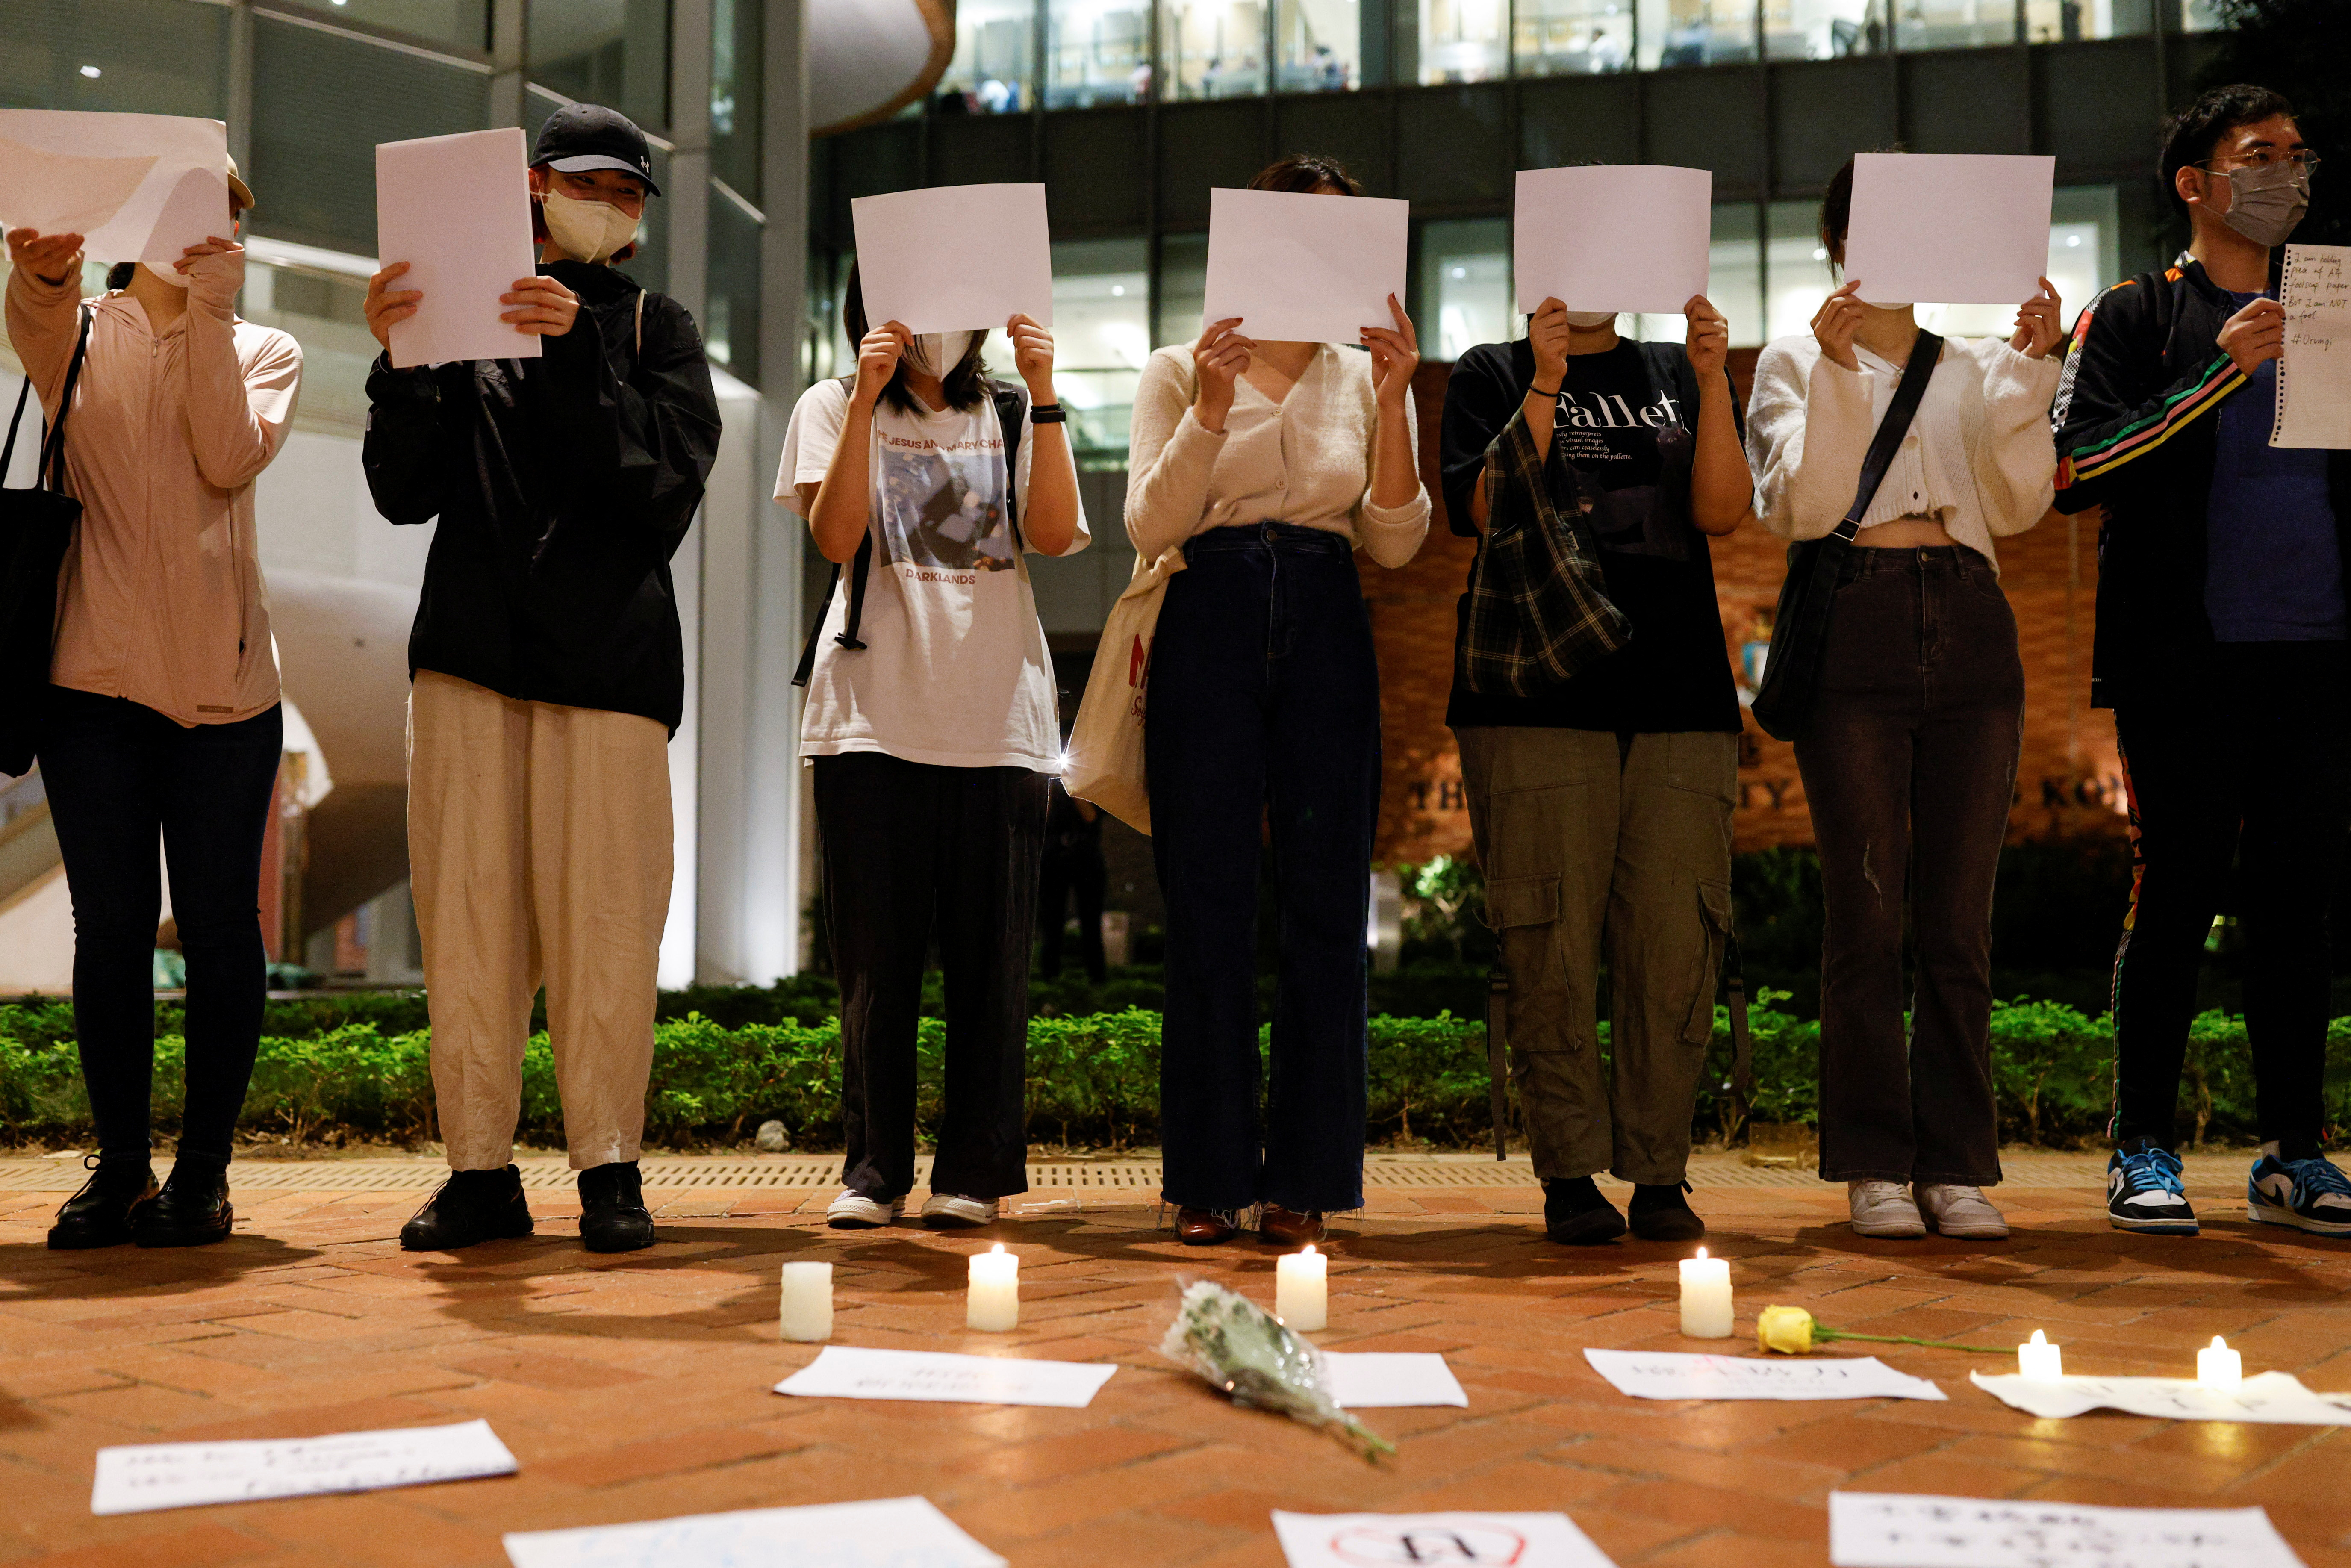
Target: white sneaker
[
  {"x": 852, "y": 1210},
  {"x": 945, "y": 1211},
  {"x": 1962, "y": 1211},
  {"x": 1883, "y": 1208}
]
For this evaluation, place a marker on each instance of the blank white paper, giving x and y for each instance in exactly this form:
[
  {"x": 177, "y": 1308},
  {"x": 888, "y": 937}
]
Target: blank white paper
[
  {"x": 2278, "y": 1398},
  {"x": 955, "y": 258},
  {"x": 2314, "y": 378},
  {"x": 1612, "y": 236},
  {"x": 888, "y": 1532},
  {"x": 1390, "y": 1380},
  {"x": 183, "y": 1475},
  {"x": 1304, "y": 269},
  {"x": 1895, "y": 1530},
  {"x": 137, "y": 187},
  {"x": 457, "y": 209},
  {"x": 1353, "y": 1540},
  {"x": 1677, "y": 1374},
  {"x": 845, "y": 1372},
  {"x": 1949, "y": 228}
]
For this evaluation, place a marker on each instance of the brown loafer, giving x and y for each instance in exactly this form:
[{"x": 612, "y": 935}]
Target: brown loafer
[
  {"x": 1287, "y": 1228},
  {"x": 1205, "y": 1227}
]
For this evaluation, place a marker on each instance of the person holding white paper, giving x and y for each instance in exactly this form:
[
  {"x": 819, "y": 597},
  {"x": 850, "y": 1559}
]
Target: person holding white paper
[
  {"x": 164, "y": 713},
  {"x": 1908, "y": 758},
  {"x": 1600, "y": 809},
  {"x": 548, "y": 676},
  {"x": 930, "y": 727},
  {"x": 1268, "y": 464},
  {"x": 2223, "y": 646}
]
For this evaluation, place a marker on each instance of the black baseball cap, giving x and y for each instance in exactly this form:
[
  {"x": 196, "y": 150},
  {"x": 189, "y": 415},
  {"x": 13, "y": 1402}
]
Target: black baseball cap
[{"x": 583, "y": 136}]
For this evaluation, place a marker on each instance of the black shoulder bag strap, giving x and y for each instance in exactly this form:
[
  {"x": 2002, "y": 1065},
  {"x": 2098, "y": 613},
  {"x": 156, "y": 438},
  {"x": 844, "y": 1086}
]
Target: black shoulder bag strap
[
  {"x": 1908, "y": 392},
  {"x": 50, "y": 474},
  {"x": 862, "y": 564},
  {"x": 1012, "y": 414}
]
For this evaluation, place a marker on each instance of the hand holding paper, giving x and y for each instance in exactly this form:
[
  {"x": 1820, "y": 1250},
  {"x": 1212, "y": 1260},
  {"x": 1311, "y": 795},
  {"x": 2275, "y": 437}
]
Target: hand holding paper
[
  {"x": 50, "y": 257},
  {"x": 453, "y": 223},
  {"x": 1624, "y": 236},
  {"x": 137, "y": 187},
  {"x": 1304, "y": 269},
  {"x": 955, "y": 258},
  {"x": 1949, "y": 228}
]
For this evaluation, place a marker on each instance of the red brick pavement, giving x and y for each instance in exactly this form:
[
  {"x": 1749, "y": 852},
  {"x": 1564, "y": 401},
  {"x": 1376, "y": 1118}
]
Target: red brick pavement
[{"x": 637, "y": 1387}]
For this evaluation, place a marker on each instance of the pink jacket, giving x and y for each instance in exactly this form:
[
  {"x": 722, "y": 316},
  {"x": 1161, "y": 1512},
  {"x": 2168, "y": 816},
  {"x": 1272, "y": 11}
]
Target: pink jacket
[{"x": 160, "y": 597}]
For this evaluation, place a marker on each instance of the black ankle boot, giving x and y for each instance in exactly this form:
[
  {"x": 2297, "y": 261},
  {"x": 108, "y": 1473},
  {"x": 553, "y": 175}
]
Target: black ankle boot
[
  {"x": 193, "y": 1210},
  {"x": 470, "y": 1207},
  {"x": 1661, "y": 1214},
  {"x": 102, "y": 1213},
  {"x": 613, "y": 1213},
  {"x": 1576, "y": 1215}
]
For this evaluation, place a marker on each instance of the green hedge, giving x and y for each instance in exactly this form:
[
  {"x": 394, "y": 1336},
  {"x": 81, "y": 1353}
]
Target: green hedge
[{"x": 1093, "y": 1080}]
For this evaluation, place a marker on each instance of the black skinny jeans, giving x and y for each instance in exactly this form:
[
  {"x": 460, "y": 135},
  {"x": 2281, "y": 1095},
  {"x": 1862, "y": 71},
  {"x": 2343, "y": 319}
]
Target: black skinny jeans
[
  {"x": 2255, "y": 770},
  {"x": 1909, "y": 764},
  {"x": 117, "y": 773}
]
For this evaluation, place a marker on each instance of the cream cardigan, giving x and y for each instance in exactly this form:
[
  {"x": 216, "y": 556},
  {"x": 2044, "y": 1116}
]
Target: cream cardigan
[
  {"x": 1979, "y": 458},
  {"x": 1305, "y": 460}
]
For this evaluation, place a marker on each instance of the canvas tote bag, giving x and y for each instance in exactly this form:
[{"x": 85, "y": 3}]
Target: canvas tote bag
[{"x": 1105, "y": 765}]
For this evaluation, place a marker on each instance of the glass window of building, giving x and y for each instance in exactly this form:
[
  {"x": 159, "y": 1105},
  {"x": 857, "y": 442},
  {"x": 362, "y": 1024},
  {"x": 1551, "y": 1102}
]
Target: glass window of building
[
  {"x": 324, "y": 310},
  {"x": 736, "y": 44},
  {"x": 730, "y": 328},
  {"x": 457, "y": 24},
  {"x": 1097, "y": 51},
  {"x": 1101, "y": 335},
  {"x": 1182, "y": 289},
  {"x": 2195, "y": 16},
  {"x": 120, "y": 55},
  {"x": 2063, "y": 21},
  {"x": 1462, "y": 41},
  {"x": 1824, "y": 29},
  {"x": 612, "y": 52},
  {"x": 1695, "y": 31},
  {"x": 1320, "y": 45},
  {"x": 1572, "y": 37},
  {"x": 1795, "y": 267},
  {"x": 1954, "y": 24},
  {"x": 1465, "y": 287},
  {"x": 1212, "y": 48},
  {"x": 991, "y": 71}
]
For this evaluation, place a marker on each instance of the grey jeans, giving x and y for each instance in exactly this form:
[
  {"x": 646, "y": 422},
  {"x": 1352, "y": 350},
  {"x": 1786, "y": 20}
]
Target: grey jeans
[{"x": 1592, "y": 844}]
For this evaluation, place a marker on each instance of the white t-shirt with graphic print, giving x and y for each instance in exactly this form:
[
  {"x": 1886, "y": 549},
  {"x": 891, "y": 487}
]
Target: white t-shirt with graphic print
[{"x": 954, "y": 671}]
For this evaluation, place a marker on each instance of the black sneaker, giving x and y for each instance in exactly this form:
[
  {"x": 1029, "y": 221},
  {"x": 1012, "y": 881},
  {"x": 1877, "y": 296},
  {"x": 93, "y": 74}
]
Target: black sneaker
[
  {"x": 470, "y": 1207},
  {"x": 1575, "y": 1215},
  {"x": 2306, "y": 1191},
  {"x": 613, "y": 1213},
  {"x": 103, "y": 1212},
  {"x": 2145, "y": 1192},
  {"x": 1662, "y": 1214},
  {"x": 193, "y": 1210}
]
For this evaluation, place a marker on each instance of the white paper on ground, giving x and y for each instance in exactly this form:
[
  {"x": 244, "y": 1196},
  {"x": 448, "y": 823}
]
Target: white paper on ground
[
  {"x": 2317, "y": 294},
  {"x": 955, "y": 258},
  {"x": 1895, "y": 1530},
  {"x": 2278, "y": 1398},
  {"x": 1304, "y": 269},
  {"x": 1612, "y": 236},
  {"x": 1677, "y": 1374},
  {"x": 845, "y": 1372},
  {"x": 457, "y": 209},
  {"x": 64, "y": 172},
  {"x": 888, "y": 1532},
  {"x": 1949, "y": 228},
  {"x": 183, "y": 1475},
  {"x": 1355, "y": 1540},
  {"x": 1390, "y": 1380}
]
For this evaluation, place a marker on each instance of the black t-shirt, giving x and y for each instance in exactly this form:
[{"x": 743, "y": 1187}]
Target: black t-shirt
[{"x": 1627, "y": 423}]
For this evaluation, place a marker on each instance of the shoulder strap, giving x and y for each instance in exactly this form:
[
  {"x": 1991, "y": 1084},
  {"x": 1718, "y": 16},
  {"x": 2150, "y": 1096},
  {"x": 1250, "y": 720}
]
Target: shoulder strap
[
  {"x": 1908, "y": 395},
  {"x": 8, "y": 451},
  {"x": 860, "y": 568},
  {"x": 1012, "y": 413},
  {"x": 641, "y": 321},
  {"x": 53, "y": 450}
]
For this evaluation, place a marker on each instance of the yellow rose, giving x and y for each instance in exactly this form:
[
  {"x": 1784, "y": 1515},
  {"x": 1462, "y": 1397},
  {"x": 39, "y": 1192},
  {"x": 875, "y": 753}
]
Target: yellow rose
[{"x": 1787, "y": 1330}]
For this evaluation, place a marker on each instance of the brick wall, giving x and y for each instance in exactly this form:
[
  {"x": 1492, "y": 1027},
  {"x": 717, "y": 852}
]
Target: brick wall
[{"x": 2068, "y": 780}]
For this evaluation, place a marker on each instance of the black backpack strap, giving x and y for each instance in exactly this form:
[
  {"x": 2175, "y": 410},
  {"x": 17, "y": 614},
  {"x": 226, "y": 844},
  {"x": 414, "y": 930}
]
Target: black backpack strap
[
  {"x": 1908, "y": 395},
  {"x": 863, "y": 566},
  {"x": 1012, "y": 413}
]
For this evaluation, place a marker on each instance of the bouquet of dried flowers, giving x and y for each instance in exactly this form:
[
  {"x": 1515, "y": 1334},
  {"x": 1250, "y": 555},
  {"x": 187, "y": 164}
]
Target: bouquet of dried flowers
[{"x": 1241, "y": 1348}]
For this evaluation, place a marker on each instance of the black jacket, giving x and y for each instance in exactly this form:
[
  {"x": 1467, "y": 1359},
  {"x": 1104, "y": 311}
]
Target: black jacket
[
  {"x": 2137, "y": 434},
  {"x": 563, "y": 485}
]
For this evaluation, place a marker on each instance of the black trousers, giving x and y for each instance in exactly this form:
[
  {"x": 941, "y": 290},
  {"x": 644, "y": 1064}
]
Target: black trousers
[
  {"x": 1082, "y": 877},
  {"x": 912, "y": 851},
  {"x": 2257, "y": 771},
  {"x": 1909, "y": 764},
  {"x": 117, "y": 774}
]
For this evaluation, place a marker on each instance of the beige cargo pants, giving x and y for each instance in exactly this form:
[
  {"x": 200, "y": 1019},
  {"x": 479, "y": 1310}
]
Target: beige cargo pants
[{"x": 1590, "y": 846}]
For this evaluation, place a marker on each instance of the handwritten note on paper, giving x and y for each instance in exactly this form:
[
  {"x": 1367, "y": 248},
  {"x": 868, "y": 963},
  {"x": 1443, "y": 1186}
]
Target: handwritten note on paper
[
  {"x": 1304, "y": 268},
  {"x": 1391, "y": 1380},
  {"x": 457, "y": 209},
  {"x": 184, "y": 1475},
  {"x": 2277, "y": 1398},
  {"x": 1612, "y": 237},
  {"x": 2314, "y": 378},
  {"x": 1895, "y": 1529},
  {"x": 1353, "y": 1540},
  {"x": 1677, "y": 1374},
  {"x": 888, "y": 1532},
  {"x": 843, "y": 1371}
]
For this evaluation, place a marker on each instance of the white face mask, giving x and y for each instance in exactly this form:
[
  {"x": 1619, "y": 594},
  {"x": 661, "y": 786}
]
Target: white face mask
[
  {"x": 588, "y": 230},
  {"x": 936, "y": 353},
  {"x": 1589, "y": 320}
]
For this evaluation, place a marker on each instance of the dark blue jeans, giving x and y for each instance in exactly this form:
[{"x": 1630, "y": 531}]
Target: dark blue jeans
[
  {"x": 117, "y": 774},
  {"x": 1264, "y": 710}
]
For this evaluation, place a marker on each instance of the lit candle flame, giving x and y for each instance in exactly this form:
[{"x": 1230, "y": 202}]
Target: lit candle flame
[
  {"x": 2040, "y": 1338},
  {"x": 1308, "y": 1252},
  {"x": 997, "y": 1247},
  {"x": 1701, "y": 1251},
  {"x": 2219, "y": 1344}
]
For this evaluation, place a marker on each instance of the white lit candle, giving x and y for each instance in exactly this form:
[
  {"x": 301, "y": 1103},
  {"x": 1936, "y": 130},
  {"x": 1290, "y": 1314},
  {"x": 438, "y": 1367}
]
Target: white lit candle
[
  {"x": 992, "y": 1301},
  {"x": 1705, "y": 1297},
  {"x": 807, "y": 1303},
  {"x": 1301, "y": 1291},
  {"x": 2039, "y": 1360},
  {"x": 2217, "y": 1366}
]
